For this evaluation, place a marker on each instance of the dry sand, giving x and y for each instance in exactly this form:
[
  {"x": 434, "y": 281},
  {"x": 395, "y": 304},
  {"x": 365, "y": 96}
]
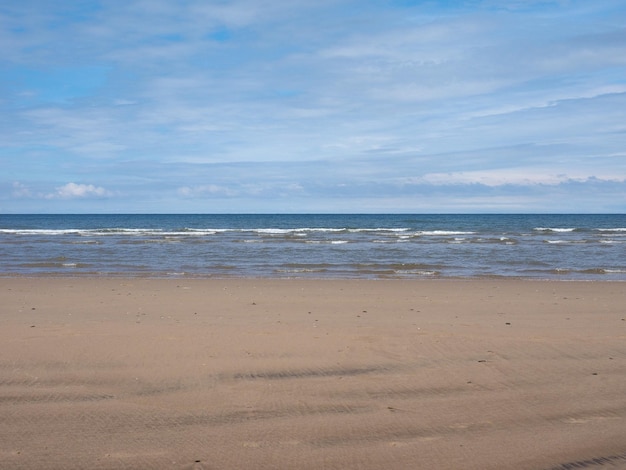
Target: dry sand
[{"x": 224, "y": 374}]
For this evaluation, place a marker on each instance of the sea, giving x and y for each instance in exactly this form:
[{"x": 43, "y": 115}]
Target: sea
[{"x": 337, "y": 246}]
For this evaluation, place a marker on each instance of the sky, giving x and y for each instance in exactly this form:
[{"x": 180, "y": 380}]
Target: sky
[{"x": 304, "y": 106}]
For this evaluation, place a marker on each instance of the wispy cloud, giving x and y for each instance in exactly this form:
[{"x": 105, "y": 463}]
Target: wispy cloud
[
  {"x": 74, "y": 190},
  {"x": 331, "y": 103},
  {"x": 512, "y": 177},
  {"x": 20, "y": 190}
]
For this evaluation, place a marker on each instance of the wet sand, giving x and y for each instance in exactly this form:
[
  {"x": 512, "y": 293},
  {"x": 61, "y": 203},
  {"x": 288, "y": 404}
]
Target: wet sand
[{"x": 224, "y": 374}]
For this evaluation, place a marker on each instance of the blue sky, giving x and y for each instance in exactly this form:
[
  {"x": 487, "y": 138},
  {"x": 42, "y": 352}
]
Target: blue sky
[{"x": 313, "y": 106}]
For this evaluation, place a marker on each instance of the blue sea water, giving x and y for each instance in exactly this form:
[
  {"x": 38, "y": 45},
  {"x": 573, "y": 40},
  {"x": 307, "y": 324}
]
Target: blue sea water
[{"x": 567, "y": 247}]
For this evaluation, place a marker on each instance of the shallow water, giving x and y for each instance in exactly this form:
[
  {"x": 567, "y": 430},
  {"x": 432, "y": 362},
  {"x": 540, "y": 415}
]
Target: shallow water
[{"x": 568, "y": 247}]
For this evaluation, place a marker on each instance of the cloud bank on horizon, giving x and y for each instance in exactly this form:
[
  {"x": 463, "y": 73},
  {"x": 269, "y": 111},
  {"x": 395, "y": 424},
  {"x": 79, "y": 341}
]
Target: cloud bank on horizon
[{"x": 313, "y": 106}]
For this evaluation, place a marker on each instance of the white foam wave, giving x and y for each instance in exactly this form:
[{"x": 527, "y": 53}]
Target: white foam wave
[
  {"x": 378, "y": 229},
  {"x": 301, "y": 270},
  {"x": 39, "y": 231},
  {"x": 443, "y": 232},
  {"x": 553, "y": 229},
  {"x": 416, "y": 272},
  {"x": 297, "y": 231}
]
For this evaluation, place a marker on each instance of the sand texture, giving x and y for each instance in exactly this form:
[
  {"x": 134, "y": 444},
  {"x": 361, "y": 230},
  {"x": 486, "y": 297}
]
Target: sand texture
[{"x": 299, "y": 374}]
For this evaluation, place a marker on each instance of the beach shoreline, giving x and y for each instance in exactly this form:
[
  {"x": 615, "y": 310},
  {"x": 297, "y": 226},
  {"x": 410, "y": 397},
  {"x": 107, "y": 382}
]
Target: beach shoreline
[
  {"x": 326, "y": 246},
  {"x": 119, "y": 372}
]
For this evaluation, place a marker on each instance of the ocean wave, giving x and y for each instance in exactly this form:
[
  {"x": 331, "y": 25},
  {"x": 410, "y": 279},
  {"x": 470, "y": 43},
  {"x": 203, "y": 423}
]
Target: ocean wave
[
  {"x": 554, "y": 229},
  {"x": 87, "y": 232},
  {"x": 300, "y": 270},
  {"x": 378, "y": 229},
  {"x": 9, "y": 231},
  {"x": 587, "y": 271},
  {"x": 416, "y": 272},
  {"x": 593, "y": 271},
  {"x": 201, "y": 231},
  {"x": 443, "y": 232},
  {"x": 385, "y": 246},
  {"x": 53, "y": 265}
]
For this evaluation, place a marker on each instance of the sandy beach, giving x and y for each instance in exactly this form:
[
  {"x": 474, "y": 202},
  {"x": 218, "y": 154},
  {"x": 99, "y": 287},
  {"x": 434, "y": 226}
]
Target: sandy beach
[{"x": 307, "y": 374}]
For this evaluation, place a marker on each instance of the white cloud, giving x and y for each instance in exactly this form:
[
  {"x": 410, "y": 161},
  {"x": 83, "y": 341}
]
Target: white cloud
[
  {"x": 242, "y": 190},
  {"x": 512, "y": 176},
  {"x": 293, "y": 97},
  {"x": 73, "y": 191},
  {"x": 206, "y": 190},
  {"x": 20, "y": 190}
]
